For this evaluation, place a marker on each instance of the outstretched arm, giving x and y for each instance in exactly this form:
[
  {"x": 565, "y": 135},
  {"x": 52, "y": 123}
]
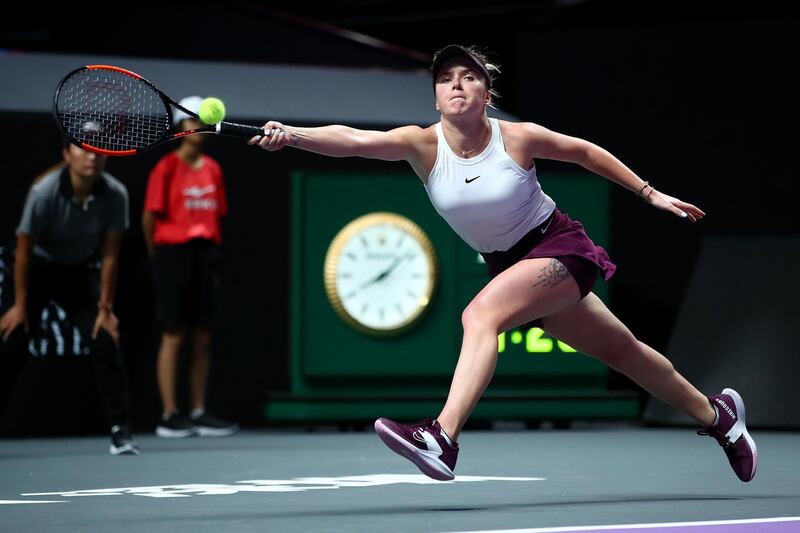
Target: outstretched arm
[
  {"x": 342, "y": 141},
  {"x": 548, "y": 144}
]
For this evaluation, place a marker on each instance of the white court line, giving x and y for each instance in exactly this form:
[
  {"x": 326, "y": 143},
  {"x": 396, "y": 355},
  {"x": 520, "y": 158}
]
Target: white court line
[
  {"x": 579, "y": 529},
  {"x": 16, "y": 502},
  {"x": 274, "y": 485}
]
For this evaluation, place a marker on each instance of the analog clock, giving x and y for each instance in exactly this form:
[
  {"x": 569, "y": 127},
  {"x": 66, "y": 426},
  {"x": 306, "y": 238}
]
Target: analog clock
[{"x": 380, "y": 273}]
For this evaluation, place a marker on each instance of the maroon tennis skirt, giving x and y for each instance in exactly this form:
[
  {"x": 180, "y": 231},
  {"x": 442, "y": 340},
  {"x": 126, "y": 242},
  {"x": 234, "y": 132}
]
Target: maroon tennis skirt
[{"x": 564, "y": 239}]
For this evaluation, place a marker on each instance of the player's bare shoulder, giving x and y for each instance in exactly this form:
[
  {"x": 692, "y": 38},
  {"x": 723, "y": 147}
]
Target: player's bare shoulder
[
  {"x": 416, "y": 135},
  {"x": 427, "y": 138},
  {"x": 521, "y": 132},
  {"x": 420, "y": 141},
  {"x": 423, "y": 141},
  {"x": 520, "y": 139}
]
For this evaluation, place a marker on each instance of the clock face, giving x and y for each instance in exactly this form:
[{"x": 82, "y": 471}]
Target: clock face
[{"x": 380, "y": 272}]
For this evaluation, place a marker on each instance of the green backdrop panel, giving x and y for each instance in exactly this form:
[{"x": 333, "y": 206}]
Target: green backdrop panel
[
  {"x": 327, "y": 354},
  {"x": 326, "y": 346}
]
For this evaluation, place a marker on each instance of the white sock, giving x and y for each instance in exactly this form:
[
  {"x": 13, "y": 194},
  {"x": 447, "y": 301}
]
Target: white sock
[
  {"x": 716, "y": 412},
  {"x": 197, "y": 413}
]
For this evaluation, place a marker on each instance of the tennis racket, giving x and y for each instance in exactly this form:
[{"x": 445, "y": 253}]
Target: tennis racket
[{"x": 113, "y": 111}]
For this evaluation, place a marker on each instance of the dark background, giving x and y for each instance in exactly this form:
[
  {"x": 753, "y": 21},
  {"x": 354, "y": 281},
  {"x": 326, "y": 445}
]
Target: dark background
[{"x": 701, "y": 100}]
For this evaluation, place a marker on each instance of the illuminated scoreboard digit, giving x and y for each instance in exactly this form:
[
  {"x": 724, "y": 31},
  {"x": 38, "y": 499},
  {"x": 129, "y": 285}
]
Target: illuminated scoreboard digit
[{"x": 534, "y": 341}]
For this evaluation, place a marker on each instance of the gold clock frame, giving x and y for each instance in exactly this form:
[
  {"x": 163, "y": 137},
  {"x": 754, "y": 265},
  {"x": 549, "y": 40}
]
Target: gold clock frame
[{"x": 345, "y": 235}]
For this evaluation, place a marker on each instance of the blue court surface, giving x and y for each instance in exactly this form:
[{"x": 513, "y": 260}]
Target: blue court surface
[{"x": 610, "y": 479}]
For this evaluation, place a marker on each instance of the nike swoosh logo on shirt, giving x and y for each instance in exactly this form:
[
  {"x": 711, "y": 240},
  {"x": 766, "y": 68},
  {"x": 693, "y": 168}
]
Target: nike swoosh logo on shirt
[
  {"x": 467, "y": 180},
  {"x": 197, "y": 192},
  {"x": 544, "y": 229}
]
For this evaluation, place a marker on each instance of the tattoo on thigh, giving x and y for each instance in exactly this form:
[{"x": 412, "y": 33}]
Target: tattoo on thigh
[{"x": 551, "y": 275}]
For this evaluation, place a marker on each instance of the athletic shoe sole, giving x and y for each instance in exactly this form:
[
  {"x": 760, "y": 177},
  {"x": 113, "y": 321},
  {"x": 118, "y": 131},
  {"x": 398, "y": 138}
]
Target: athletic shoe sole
[
  {"x": 125, "y": 449},
  {"x": 168, "y": 433},
  {"x": 737, "y": 400},
  {"x": 428, "y": 462},
  {"x": 214, "y": 432}
]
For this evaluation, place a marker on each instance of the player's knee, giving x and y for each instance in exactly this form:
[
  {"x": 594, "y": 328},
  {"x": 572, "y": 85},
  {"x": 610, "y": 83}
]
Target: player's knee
[
  {"x": 468, "y": 316},
  {"x": 478, "y": 315}
]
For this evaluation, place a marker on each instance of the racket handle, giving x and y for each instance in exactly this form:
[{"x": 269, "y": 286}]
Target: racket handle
[{"x": 239, "y": 130}]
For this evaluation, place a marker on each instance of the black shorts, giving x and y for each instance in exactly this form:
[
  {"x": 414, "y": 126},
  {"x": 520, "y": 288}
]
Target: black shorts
[{"x": 187, "y": 284}]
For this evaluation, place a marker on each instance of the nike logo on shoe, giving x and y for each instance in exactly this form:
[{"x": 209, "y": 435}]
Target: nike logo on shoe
[
  {"x": 429, "y": 441},
  {"x": 468, "y": 180}
]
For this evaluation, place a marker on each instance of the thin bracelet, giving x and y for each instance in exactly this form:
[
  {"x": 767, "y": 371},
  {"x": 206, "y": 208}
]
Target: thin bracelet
[{"x": 639, "y": 194}]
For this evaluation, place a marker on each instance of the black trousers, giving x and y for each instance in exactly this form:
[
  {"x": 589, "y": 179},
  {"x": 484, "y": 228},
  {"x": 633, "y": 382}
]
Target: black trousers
[{"x": 76, "y": 289}]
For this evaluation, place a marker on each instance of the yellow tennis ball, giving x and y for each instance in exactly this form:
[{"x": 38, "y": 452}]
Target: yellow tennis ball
[{"x": 212, "y": 110}]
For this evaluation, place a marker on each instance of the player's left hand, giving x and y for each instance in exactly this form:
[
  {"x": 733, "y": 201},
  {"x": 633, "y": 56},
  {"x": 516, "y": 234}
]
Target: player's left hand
[
  {"x": 673, "y": 205},
  {"x": 107, "y": 320}
]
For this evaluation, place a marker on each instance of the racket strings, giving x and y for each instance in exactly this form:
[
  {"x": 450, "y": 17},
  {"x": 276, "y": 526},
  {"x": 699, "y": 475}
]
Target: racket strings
[{"x": 111, "y": 110}]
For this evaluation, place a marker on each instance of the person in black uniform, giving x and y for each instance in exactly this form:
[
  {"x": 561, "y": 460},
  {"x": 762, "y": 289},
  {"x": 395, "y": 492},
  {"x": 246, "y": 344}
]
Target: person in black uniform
[{"x": 68, "y": 243}]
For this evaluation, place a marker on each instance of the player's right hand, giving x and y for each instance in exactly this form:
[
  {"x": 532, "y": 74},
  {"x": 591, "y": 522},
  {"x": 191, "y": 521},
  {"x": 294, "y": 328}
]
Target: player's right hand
[
  {"x": 12, "y": 319},
  {"x": 278, "y": 136}
]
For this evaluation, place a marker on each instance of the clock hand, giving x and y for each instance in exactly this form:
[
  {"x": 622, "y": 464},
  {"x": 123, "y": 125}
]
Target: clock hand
[
  {"x": 394, "y": 265},
  {"x": 374, "y": 280},
  {"x": 382, "y": 275},
  {"x": 391, "y": 267}
]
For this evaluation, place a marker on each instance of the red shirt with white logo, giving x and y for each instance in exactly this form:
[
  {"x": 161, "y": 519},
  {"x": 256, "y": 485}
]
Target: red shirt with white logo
[{"x": 188, "y": 201}]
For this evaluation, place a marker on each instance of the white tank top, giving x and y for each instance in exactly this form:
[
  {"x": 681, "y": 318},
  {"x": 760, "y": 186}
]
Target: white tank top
[{"x": 489, "y": 200}]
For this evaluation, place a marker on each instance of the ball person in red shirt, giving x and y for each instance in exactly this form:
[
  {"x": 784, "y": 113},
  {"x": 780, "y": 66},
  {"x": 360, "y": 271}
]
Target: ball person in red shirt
[{"x": 184, "y": 203}]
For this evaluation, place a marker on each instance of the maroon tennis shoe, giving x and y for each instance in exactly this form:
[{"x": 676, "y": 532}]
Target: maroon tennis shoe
[
  {"x": 423, "y": 443},
  {"x": 731, "y": 433}
]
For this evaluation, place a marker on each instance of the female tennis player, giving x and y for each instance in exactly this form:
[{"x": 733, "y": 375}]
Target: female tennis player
[{"x": 480, "y": 175}]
